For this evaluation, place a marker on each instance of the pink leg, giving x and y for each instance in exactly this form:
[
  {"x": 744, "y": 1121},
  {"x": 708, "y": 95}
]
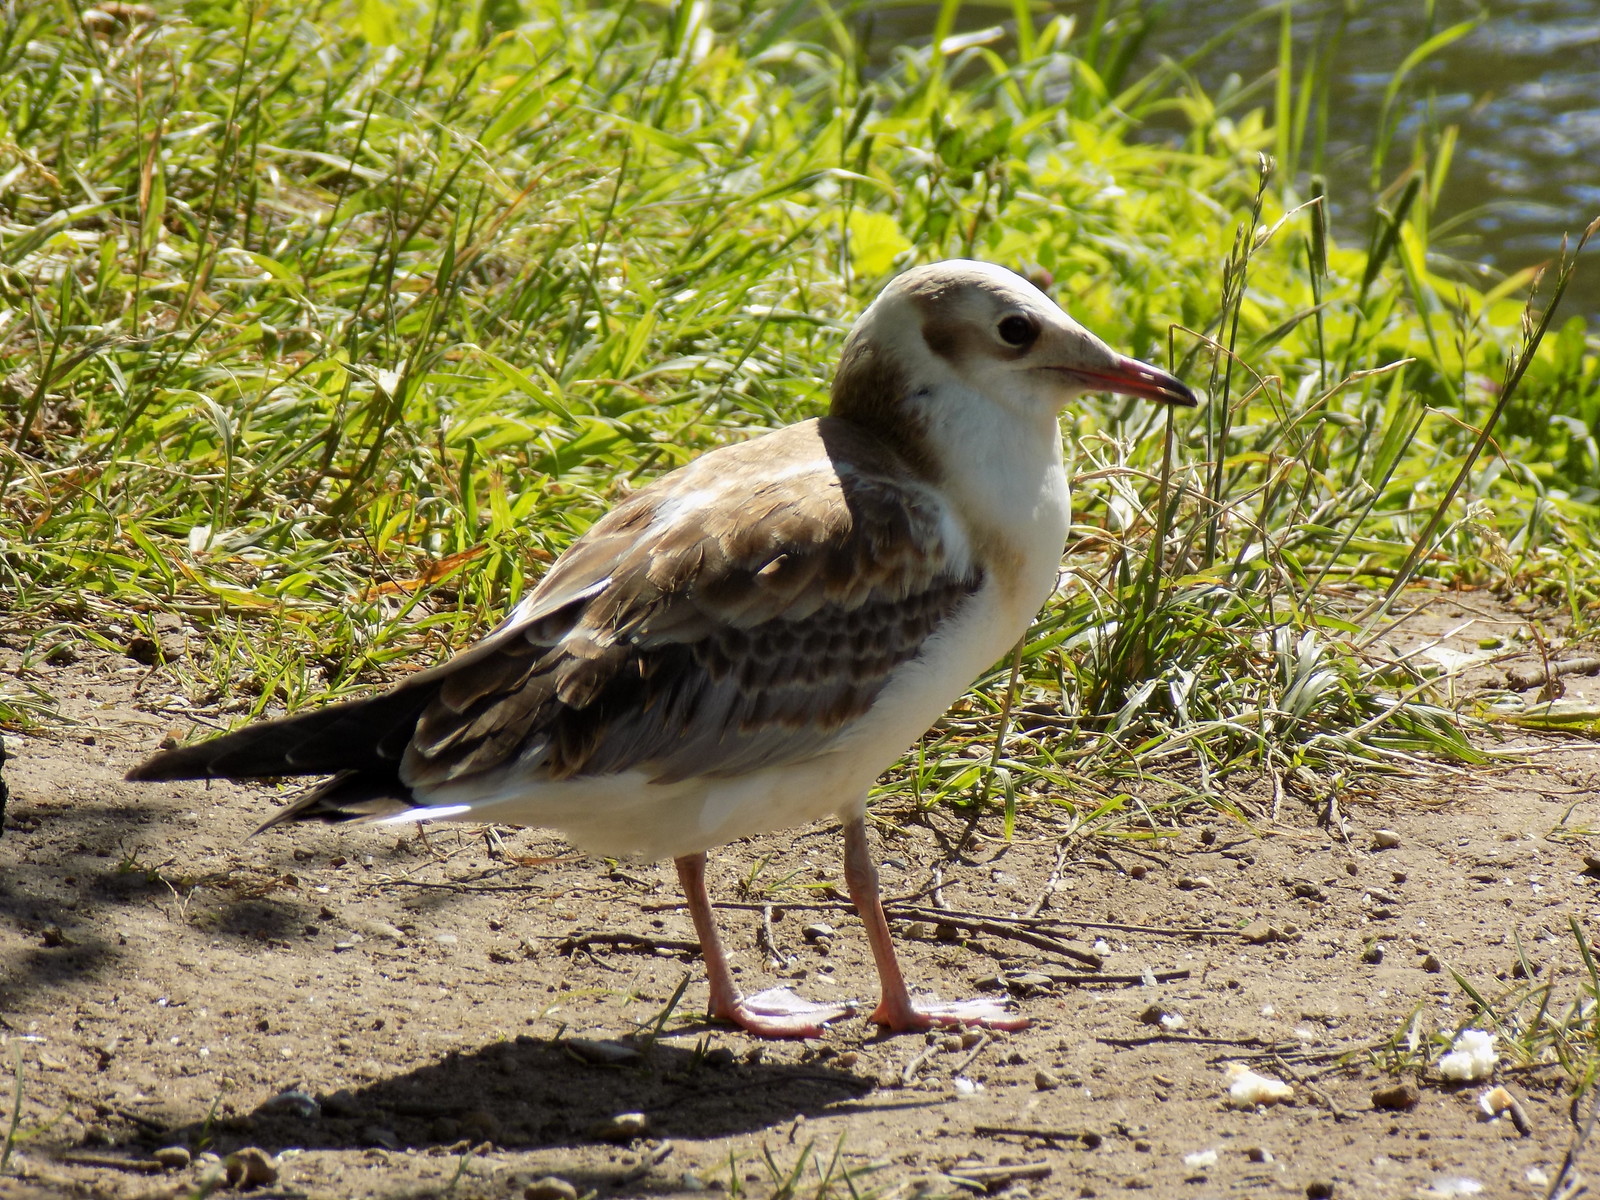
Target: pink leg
[
  {"x": 895, "y": 1008},
  {"x": 776, "y": 1012}
]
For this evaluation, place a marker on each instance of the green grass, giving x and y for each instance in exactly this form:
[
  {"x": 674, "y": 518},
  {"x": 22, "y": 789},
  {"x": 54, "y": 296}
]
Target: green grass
[{"x": 307, "y": 313}]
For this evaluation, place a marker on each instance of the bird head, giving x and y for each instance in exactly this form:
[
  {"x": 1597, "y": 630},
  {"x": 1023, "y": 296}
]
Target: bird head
[{"x": 942, "y": 333}]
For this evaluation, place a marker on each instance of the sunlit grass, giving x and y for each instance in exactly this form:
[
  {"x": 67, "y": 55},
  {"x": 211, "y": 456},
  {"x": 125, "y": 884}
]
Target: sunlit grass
[{"x": 326, "y": 331}]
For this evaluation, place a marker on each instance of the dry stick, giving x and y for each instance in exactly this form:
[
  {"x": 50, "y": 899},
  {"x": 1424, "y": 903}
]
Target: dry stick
[
  {"x": 1316, "y": 1093},
  {"x": 978, "y": 1048},
  {"x": 1569, "y": 1182},
  {"x": 900, "y": 909},
  {"x": 1033, "y": 910},
  {"x": 1537, "y": 675},
  {"x": 991, "y": 1179},
  {"x": 1097, "y": 977},
  {"x": 1196, "y": 1039},
  {"x": 1002, "y": 929},
  {"x": 582, "y": 941},
  {"x": 1047, "y": 1135},
  {"x": 909, "y": 1071}
]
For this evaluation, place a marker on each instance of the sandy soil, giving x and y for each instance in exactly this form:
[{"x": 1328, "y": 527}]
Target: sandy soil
[{"x": 388, "y": 1015}]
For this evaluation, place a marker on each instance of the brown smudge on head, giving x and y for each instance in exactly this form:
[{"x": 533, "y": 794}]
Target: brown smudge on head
[
  {"x": 956, "y": 331},
  {"x": 873, "y": 391}
]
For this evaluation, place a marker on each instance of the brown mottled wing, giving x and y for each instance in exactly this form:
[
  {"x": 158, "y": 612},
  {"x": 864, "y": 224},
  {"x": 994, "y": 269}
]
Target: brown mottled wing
[{"x": 732, "y": 616}]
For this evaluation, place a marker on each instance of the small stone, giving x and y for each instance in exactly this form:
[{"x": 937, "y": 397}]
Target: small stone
[
  {"x": 819, "y": 931},
  {"x": 250, "y": 1168},
  {"x": 293, "y": 1103},
  {"x": 971, "y": 1038},
  {"x": 951, "y": 1044},
  {"x": 1373, "y": 954},
  {"x": 1259, "y": 1154},
  {"x": 1163, "y": 1018},
  {"x": 623, "y": 1127},
  {"x": 1397, "y": 1097},
  {"x": 1304, "y": 889},
  {"x": 1138, "y": 871},
  {"x": 720, "y": 1056},
  {"x": 173, "y": 1158},
  {"x": 1044, "y": 1081},
  {"x": 1431, "y": 964},
  {"x": 847, "y": 1060},
  {"x": 1194, "y": 883},
  {"x": 1319, "y": 1189},
  {"x": 1260, "y": 932},
  {"x": 1385, "y": 839},
  {"x": 1591, "y": 865},
  {"x": 551, "y": 1187},
  {"x": 601, "y": 1053}
]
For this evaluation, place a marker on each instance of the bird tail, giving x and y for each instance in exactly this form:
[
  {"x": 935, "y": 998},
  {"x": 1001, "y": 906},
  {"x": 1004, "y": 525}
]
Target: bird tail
[{"x": 359, "y": 742}]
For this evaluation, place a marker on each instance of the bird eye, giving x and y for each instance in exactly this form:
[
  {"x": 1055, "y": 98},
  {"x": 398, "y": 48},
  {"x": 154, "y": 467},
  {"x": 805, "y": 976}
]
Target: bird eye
[{"x": 1017, "y": 330}]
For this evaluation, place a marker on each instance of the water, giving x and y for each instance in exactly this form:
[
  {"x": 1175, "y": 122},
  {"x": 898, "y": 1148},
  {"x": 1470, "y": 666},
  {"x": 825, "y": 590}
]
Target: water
[{"x": 1523, "y": 88}]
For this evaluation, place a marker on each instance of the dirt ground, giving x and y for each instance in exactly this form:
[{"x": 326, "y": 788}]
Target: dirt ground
[{"x": 382, "y": 1014}]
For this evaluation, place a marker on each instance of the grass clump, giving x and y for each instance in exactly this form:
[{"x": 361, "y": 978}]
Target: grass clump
[{"x": 324, "y": 330}]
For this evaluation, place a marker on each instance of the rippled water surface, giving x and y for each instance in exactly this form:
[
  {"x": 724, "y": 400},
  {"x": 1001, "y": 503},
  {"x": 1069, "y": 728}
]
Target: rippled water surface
[{"x": 1523, "y": 88}]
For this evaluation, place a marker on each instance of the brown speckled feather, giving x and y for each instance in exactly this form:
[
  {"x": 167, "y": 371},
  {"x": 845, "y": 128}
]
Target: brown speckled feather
[{"x": 731, "y": 617}]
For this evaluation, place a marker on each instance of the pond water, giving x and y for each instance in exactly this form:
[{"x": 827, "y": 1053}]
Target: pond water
[{"x": 1523, "y": 88}]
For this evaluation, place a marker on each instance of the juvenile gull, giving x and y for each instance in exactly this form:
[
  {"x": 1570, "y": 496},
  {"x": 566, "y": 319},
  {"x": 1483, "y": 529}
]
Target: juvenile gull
[{"x": 748, "y": 642}]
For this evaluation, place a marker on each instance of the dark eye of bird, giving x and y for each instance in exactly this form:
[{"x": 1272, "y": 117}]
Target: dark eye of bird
[{"x": 1018, "y": 331}]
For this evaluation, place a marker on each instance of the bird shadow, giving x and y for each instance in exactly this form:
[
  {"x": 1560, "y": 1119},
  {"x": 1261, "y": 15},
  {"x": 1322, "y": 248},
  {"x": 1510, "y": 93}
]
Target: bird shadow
[{"x": 531, "y": 1093}]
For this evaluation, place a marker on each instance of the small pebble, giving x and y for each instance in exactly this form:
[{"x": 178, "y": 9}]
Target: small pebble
[
  {"x": 623, "y": 1127},
  {"x": 1431, "y": 964},
  {"x": 1385, "y": 839},
  {"x": 1156, "y": 1015},
  {"x": 249, "y": 1168},
  {"x": 1397, "y": 1097},
  {"x": 173, "y": 1158},
  {"x": 1319, "y": 1189},
  {"x": 1373, "y": 953},
  {"x": 1259, "y": 1154},
  {"x": 1044, "y": 1081},
  {"x": 951, "y": 1044},
  {"x": 1193, "y": 883},
  {"x": 602, "y": 1053},
  {"x": 294, "y": 1103},
  {"x": 971, "y": 1038},
  {"x": 551, "y": 1187},
  {"x": 820, "y": 931},
  {"x": 1262, "y": 931},
  {"x": 720, "y": 1056}
]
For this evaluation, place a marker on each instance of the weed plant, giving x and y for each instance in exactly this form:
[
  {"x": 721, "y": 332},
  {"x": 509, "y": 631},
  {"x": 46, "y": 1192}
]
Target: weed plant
[{"x": 321, "y": 331}]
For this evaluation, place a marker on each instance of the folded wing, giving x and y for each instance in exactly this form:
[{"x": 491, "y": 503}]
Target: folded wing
[{"x": 732, "y": 616}]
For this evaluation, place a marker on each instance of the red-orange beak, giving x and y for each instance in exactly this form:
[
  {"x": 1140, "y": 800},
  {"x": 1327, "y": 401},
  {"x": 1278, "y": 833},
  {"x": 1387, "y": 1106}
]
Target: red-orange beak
[{"x": 1130, "y": 377}]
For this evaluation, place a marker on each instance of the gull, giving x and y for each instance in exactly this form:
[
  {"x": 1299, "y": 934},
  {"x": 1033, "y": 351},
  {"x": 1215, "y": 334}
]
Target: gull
[{"x": 748, "y": 642}]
